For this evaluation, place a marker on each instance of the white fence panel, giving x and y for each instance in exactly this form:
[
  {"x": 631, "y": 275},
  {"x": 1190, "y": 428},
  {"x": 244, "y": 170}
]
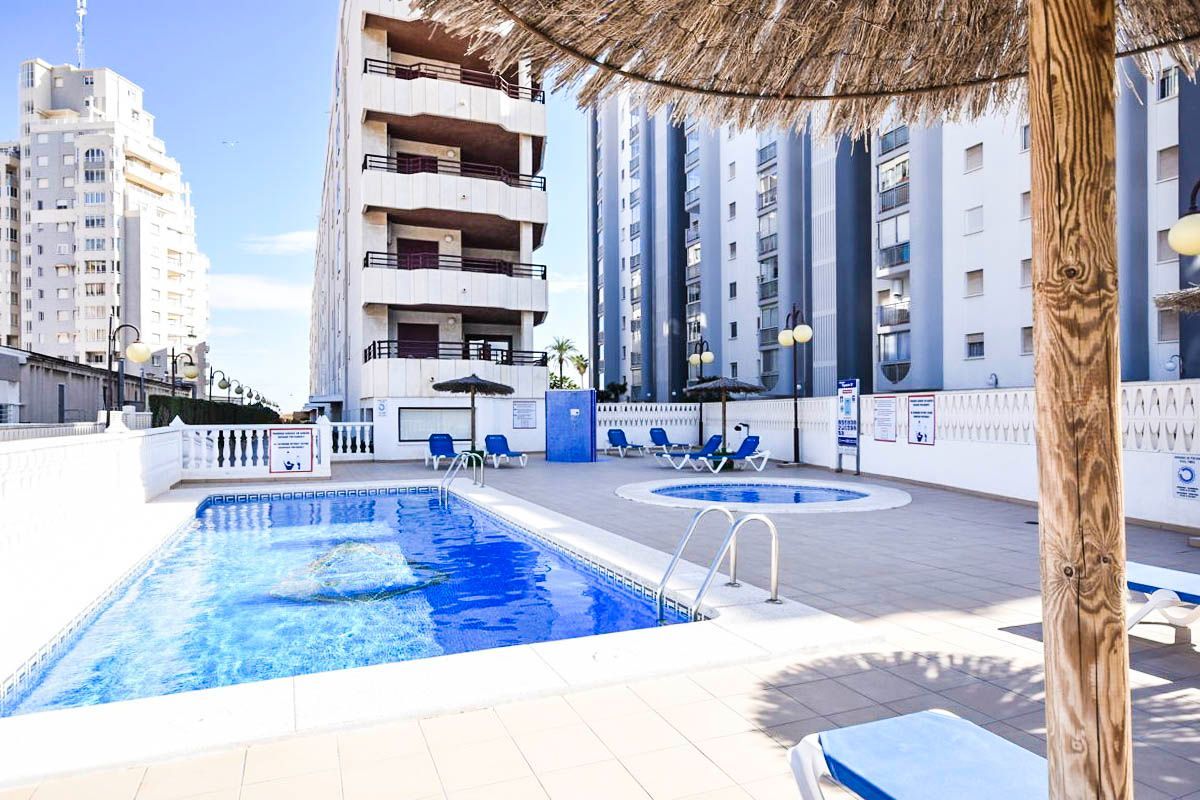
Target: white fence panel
[
  {"x": 31, "y": 430},
  {"x": 353, "y": 441},
  {"x": 234, "y": 452},
  {"x": 681, "y": 421}
]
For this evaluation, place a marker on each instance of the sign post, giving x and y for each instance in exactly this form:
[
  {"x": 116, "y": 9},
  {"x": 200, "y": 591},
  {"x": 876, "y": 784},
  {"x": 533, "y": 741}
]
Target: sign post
[{"x": 848, "y": 419}]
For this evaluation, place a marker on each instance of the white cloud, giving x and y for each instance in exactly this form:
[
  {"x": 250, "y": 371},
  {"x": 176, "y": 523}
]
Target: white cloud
[
  {"x": 561, "y": 285},
  {"x": 257, "y": 293},
  {"x": 281, "y": 244}
]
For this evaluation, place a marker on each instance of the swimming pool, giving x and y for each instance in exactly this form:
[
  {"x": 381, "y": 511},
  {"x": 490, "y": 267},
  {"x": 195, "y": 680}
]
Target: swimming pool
[
  {"x": 758, "y": 493},
  {"x": 276, "y": 588},
  {"x": 770, "y": 495}
]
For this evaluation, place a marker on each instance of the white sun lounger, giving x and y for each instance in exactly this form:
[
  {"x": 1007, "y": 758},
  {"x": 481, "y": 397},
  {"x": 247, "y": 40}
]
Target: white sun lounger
[{"x": 1168, "y": 592}]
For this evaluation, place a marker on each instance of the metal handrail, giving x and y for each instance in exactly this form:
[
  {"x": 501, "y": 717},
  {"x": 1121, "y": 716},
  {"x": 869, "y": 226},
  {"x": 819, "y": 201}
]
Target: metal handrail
[
  {"x": 454, "y": 351},
  {"x": 475, "y": 460},
  {"x": 412, "y": 261},
  {"x": 463, "y": 75},
  {"x": 660, "y": 595},
  {"x": 413, "y": 165},
  {"x": 730, "y": 544}
]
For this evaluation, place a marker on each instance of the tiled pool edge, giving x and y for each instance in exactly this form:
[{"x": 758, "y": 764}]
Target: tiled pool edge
[
  {"x": 879, "y": 498},
  {"x": 77, "y": 739}
]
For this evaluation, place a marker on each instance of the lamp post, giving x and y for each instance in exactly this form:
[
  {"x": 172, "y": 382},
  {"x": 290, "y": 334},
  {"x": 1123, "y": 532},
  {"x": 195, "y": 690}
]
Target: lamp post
[
  {"x": 796, "y": 333},
  {"x": 700, "y": 356},
  {"x": 224, "y": 384},
  {"x": 1184, "y": 236},
  {"x": 190, "y": 370},
  {"x": 138, "y": 352},
  {"x": 238, "y": 391}
]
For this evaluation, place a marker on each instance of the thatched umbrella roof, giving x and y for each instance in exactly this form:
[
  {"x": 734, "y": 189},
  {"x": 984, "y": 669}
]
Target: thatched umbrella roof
[
  {"x": 724, "y": 387},
  {"x": 473, "y": 385},
  {"x": 1185, "y": 301},
  {"x": 764, "y": 63}
]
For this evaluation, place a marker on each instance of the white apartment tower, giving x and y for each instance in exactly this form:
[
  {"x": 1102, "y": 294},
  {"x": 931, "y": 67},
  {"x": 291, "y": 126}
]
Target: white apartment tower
[
  {"x": 431, "y": 210},
  {"x": 107, "y": 224},
  {"x": 10, "y": 244}
]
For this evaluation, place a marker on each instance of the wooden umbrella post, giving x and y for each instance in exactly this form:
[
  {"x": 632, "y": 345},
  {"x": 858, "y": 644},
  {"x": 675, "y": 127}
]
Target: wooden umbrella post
[
  {"x": 472, "y": 418},
  {"x": 1077, "y": 385}
]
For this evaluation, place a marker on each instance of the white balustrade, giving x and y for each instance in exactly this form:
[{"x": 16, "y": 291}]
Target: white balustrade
[
  {"x": 30, "y": 430},
  {"x": 224, "y": 452},
  {"x": 353, "y": 441}
]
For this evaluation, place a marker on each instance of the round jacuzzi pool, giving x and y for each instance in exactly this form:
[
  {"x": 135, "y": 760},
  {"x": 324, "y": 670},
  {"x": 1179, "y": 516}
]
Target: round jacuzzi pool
[{"x": 776, "y": 496}]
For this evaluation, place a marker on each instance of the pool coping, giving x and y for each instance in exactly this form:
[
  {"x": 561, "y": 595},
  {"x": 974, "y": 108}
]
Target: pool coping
[
  {"x": 879, "y": 498},
  {"x": 740, "y": 627}
]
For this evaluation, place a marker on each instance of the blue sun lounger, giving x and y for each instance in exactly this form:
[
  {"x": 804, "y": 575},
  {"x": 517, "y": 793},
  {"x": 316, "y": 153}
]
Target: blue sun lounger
[
  {"x": 677, "y": 460},
  {"x": 1166, "y": 590},
  {"x": 930, "y": 755},
  {"x": 662, "y": 443},
  {"x": 497, "y": 448},
  {"x": 618, "y": 442},
  {"x": 441, "y": 445},
  {"x": 748, "y": 453}
]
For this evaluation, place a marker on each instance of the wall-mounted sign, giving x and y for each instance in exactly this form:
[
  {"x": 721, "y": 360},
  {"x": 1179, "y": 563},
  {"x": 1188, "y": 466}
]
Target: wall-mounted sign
[
  {"x": 290, "y": 450},
  {"x": 1187, "y": 477},
  {"x": 885, "y": 418},
  {"x": 524, "y": 414},
  {"x": 922, "y": 418},
  {"x": 380, "y": 409}
]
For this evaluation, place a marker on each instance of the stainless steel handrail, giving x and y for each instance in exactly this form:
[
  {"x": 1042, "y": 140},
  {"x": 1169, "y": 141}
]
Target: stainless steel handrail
[
  {"x": 474, "y": 460},
  {"x": 730, "y": 539},
  {"x": 660, "y": 595}
]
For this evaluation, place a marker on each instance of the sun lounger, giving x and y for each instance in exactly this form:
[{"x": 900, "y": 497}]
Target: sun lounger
[
  {"x": 677, "y": 460},
  {"x": 618, "y": 442},
  {"x": 930, "y": 755},
  {"x": 1167, "y": 591},
  {"x": 497, "y": 449},
  {"x": 441, "y": 445},
  {"x": 661, "y": 443},
  {"x": 747, "y": 453}
]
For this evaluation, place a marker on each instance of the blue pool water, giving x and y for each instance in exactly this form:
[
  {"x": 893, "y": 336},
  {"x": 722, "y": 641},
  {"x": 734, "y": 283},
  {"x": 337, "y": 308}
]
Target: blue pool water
[
  {"x": 758, "y": 493},
  {"x": 271, "y": 589}
]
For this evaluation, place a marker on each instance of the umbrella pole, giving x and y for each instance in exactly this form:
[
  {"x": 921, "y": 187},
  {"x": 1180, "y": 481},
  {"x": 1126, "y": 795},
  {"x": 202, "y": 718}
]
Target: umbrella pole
[
  {"x": 1077, "y": 388},
  {"x": 472, "y": 418},
  {"x": 724, "y": 427}
]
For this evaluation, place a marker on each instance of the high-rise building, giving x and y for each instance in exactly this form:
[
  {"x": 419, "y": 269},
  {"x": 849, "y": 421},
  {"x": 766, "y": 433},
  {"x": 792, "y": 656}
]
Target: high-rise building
[
  {"x": 10, "y": 243},
  {"x": 706, "y": 239},
  {"x": 431, "y": 211},
  {"x": 107, "y": 225}
]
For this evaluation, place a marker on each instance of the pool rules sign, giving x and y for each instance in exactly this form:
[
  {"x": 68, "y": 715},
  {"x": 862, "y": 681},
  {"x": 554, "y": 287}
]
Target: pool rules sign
[
  {"x": 290, "y": 450},
  {"x": 847, "y": 421}
]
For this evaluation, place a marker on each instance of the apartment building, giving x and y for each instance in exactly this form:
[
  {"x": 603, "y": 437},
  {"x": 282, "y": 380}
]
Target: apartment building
[
  {"x": 953, "y": 243},
  {"x": 10, "y": 243},
  {"x": 107, "y": 225},
  {"x": 705, "y": 239},
  {"x": 431, "y": 211}
]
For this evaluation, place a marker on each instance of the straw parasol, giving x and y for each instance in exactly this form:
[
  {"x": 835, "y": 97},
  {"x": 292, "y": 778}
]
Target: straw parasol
[
  {"x": 848, "y": 66},
  {"x": 724, "y": 387},
  {"x": 1185, "y": 301},
  {"x": 474, "y": 385}
]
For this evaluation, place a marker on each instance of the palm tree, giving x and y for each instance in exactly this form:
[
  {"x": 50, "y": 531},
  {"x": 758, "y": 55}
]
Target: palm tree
[
  {"x": 562, "y": 349},
  {"x": 580, "y": 362}
]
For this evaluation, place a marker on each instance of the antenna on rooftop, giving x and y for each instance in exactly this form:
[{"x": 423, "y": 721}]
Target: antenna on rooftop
[{"x": 80, "y": 13}]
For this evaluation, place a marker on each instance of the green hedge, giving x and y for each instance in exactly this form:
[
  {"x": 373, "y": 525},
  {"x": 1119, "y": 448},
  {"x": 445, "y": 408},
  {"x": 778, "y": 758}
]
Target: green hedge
[{"x": 207, "y": 412}]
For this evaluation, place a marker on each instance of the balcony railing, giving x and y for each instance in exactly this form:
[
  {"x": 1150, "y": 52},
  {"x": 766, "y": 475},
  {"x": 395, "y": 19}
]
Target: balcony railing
[
  {"x": 889, "y": 141},
  {"x": 635, "y": 262},
  {"x": 691, "y": 197},
  {"x": 691, "y": 157},
  {"x": 768, "y": 289},
  {"x": 894, "y": 313},
  {"x": 767, "y": 244},
  {"x": 693, "y": 272},
  {"x": 893, "y": 197},
  {"x": 406, "y": 165},
  {"x": 767, "y": 198},
  {"x": 692, "y": 309},
  {"x": 635, "y": 360},
  {"x": 441, "y": 72},
  {"x": 466, "y": 351},
  {"x": 768, "y": 336},
  {"x": 895, "y": 255},
  {"x": 691, "y": 233},
  {"x": 462, "y": 264},
  {"x": 767, "y": 153}
]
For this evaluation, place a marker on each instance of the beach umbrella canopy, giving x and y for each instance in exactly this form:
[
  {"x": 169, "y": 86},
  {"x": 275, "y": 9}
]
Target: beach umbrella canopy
[
  {"x": 724, "y": 387},
  {"x": 1185, "y": 301},
  {"x": 473, "y": 385},
  {"x": 848, "y": 67}
]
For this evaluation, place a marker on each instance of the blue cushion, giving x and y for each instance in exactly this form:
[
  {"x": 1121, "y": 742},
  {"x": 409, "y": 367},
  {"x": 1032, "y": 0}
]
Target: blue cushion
[
  {"x": 1146, "y": 578},
  {"x": 932, "y": 756}
]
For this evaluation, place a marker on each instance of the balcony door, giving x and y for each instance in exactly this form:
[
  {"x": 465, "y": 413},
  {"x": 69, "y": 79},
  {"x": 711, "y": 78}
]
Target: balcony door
[
  {"x": 490, "y": 347},
  {"x": 416, "y": 253},
  {"x": 415, "y": 340}
]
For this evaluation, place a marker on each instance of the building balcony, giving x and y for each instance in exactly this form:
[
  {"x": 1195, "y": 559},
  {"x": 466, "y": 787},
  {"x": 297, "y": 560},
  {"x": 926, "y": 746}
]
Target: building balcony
[
  {"x": 454, "y": 74},
  {"x": 454, "y": 351},
  {"x": 895, "y": 256},
  {"x": 768, "y": 337},
  {"x": 768, "y": 244},
  {"x": 635, "y": 262},
  {"x": 767, "y": 199},
  {"x": 893, "y": 314},
  {"x": 691, "y": 157},
  {"x": 767, "y": 153},
  {"x": 692, "y": 309},
  {"x": 491, "y": 266},
  {"x": 446, "y": 282},
  {"x": 446, "y": 166},
  {"x": 769, "y": 289},
  {"x": 414, "y": 375},
  {"x": 691, "y": 234},
  {"x": 692, "y": 272},
  {"x": 691, "y": 198},
  {"x": 893, "y": 198},
  {"x": 893, "y": 140}
]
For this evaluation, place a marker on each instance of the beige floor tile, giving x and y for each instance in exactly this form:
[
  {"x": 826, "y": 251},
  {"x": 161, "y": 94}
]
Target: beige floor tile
[
  {"x": 728, "y": 793},
  {"x": 295, "y": 756},
  {"x": 404, "y": 778},
  {"x": 676, "y": 690},
  {"x": 676, "y": 772},
  {"x": 454, "y": 730},
  {"x": 706, "y": 720},
  {"x": 193, "y": 776},
  {"x": 479, "y": 764},
  {"x": 537, "y": 715},
  {"x": 220, "y": 794},
  {"x": 520, "y": 789},
  {"x": 22, "y": 793},
  {"x": 747, "y": 756},
  {"x": 768, "y": 707},
  {"x": 380, "y": 743},
  {"x": 309, "y": 786},
  {"x": 119, "y": 784},
  {"x": 637, "y": 733},
  {"x": 606, "y": 703},
  {"x": 779, "y": 787},
  {"x": 729, "y": 680},
  {"x": 562, "y": 747},
  {"x": 604, "y": 780}
]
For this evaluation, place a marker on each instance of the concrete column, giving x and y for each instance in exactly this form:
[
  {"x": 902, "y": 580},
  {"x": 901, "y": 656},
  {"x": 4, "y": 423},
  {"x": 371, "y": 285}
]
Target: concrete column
[
  {"x": 375, "y": 235},
  {"x": 526, "y": 340},
  {"x": 374, "y": 43},
  {"x": 527, "y": 242},
  {"x": 525, "y": 154}
]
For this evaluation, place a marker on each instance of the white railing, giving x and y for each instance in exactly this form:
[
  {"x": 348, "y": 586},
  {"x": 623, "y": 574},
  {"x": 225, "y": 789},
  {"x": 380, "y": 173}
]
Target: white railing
[
  {"x": 31, "y": 430},
  {"x": 353, "y": 441},
  {"x": 126, "y": 418},
  {"x": 680, "y": 420},
  {"x": 233, "y": 452}
]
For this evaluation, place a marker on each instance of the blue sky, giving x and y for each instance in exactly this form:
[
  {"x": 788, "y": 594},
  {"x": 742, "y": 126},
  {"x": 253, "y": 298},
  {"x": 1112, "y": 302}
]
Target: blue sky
[{"x": 220, "y": 71}]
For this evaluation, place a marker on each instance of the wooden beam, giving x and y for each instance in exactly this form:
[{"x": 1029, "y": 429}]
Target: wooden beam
[{"x": 1077, "y": 387}]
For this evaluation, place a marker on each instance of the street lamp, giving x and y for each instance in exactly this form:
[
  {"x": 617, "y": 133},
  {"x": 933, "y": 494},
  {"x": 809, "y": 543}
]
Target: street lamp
[
  {"x": 190, "y": 370},
  {"x": 212, "y": 373},
  {"x": 1184, "y": 236},
  {"x": 796, "y": 333},
  {"x": 138, "y": 352},
  {"x": 700, "y": 356}
]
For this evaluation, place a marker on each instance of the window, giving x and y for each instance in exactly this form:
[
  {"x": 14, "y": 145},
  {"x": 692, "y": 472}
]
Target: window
[
  {"x": 893, "y": 230},
  {"x": 93, "y": 221},
  {"x": 974, "y": 345},
  {"x": 894, "y": 347},
  {"x": 95, "y": 244},
  {"x": 27, "y": 76},
  {"x": 770, "y": 362},
  {"x": 1027, "y": 340},
  {"x": 1165, "y": 252},
  {"x": 93, "y": 155},
  {"x": 973, "y": 158},
  {"x": 1168, "y": 163},
  {"x": 974, "y": 283},
  {"x": 1025, "y": 138},
  {"x": 62, "y": 249},
  {"x": 1026, "y": 205},
  {"x": 1168, "y": 83},
  {"x": 93, "y": 289},
  {"x": 1027, "y": 272},
  {"x": 732, "y": 170},
  {"x": 94, "y": 176},
  {"x": 63, "y": 294},
  {"x": 43, "y": 161},
  {"x": 732, "y": 250},
  {"x": 894, "y": 172},
  {"x": 733, "y": 330},
  {"x": 897, "y": 137},
  {"x": 973, "y": 220},
  {"x": 732, "y": 289},
  {"x": 89, "y": 79},
  {"x": 93, "y": 198},
  {"x": 732, "y": 210},
  {"x": 43, "y": 183},
  {"x": 733, "y": 369},
  {"x": 68, "y": 182},
  {"x": 1168, "y": 326}
]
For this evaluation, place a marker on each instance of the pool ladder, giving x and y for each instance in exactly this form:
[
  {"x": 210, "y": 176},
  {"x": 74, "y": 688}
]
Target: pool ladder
[
  {"x": 472, "y": 460},
  {"x": 728, "y": 545}
]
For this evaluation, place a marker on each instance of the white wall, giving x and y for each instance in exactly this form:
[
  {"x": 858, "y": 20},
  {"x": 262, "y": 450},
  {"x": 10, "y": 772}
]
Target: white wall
[{"x": 493, "y": 415}]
